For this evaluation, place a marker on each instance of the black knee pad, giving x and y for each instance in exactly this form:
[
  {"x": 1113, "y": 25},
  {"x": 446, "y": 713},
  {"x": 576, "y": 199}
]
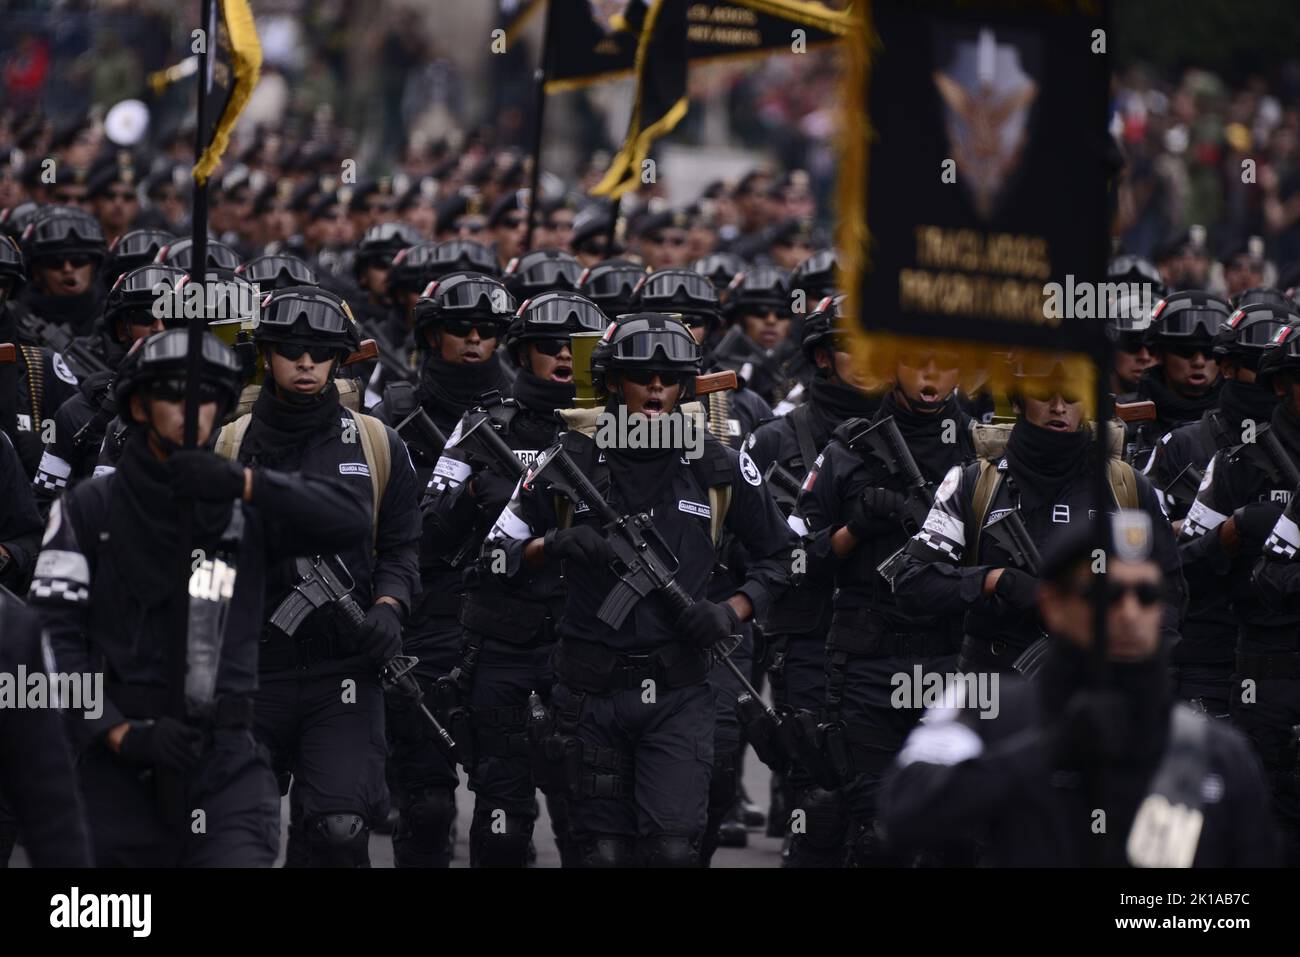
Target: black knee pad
[
  {"x": 337, "y": 840},
  {"x": 500, "y": 840},
  {"x": 429, "y": 812},
  {"x": 825, "y": 818},
  {"x": 668, "y": 850},
  {"x": 607, "y": 851}
]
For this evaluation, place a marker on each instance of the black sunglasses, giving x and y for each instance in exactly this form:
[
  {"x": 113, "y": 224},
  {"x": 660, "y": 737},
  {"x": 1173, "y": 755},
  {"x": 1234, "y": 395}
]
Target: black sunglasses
[
  {"x": 486, "y": 328},
  {"x": 550, "y": 347},
  {"x": 1047, "y": 393},
  {"x": 646, "y": 376},
  {"x": 1186, "y": 350},
  {"x": 294, "y": 350},
  {"x": 173, "y": 390},
  {"x": 1146, "y": 593}
]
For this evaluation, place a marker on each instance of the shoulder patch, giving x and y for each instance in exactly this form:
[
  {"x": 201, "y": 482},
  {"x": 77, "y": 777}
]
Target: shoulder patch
[
  {"x": 752, "y": 440},
  {"x": 949, "y": 485},
  {"x": 62, "y": 371},
  {"x": 354, "y": 468},
  {"x": 694, "y": 508},
  {"x": 749, "y": 470}
]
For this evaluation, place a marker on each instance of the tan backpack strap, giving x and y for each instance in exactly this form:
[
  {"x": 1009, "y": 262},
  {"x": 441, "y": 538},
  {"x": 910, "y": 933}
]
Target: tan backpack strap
[
  {"x": 719, "y": 502},
  {"x": 986, "y": 486},
  {"x": 374, "y": 446},
  {"x": 349, "y": 393},
  {"x": 231, "y": 437},
  {"x": 247, "y": 396},
  {"x": 1123, "y": 483}
]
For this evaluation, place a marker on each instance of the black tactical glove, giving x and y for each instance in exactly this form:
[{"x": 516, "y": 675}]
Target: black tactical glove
[
  {"x": 875, "y": 512},
  {"x": 1017, "y": 589},
  {"x": 165, "y": 743},
  {"x": 708, "y": 622},
  {"x": 205, "y": 476},
  {"x": 1254, "y": 523},
  {"x": 579, "y": 543},
  {"x": 381, "y": 635}
]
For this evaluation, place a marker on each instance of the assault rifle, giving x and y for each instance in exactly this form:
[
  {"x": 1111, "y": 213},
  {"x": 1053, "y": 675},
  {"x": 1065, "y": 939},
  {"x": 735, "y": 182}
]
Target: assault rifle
[{"x": 324, "y": 582}]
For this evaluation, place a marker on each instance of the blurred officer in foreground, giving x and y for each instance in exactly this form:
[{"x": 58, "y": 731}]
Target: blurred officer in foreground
[
  {"x": 108, "y": 591},
  {"x": 1028, "y": 779}
]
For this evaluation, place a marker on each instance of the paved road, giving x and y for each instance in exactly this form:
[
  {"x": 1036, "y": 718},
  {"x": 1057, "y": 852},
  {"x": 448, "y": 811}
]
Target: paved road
[{"x": 761, "y": 852}]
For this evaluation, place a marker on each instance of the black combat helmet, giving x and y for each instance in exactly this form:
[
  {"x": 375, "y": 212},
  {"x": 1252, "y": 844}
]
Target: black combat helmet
[
  {"x": 307, "y": 316},
  {"x": 551, "y": 318},
  {"x": 1190, "y": 318},
  {"x": 135, "y": 294},
  {"x": 462, "y": 300},
  {"x": 181, "y": 253},
  {"x": 12, "y": 270},
  {"x": 59, "y": 232},
  {"x": 132, "y": 250},
  {"x": 277, "y": 271},
  {"x": 658, "y": 342},
  {"x": 1246, "y": 333},
  {"x": 160, "y": 365},
  {"x": 543, "y": 270},
  {"x": 682, "y": 291},
  {"x": 610, "y": 284}
]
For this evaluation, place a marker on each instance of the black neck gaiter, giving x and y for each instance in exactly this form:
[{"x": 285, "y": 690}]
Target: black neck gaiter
[
  {"x": 1041, "y": 460},
  {"x": 280, "y": 430},
  {"x": 640, "y": 476},
  {"x": 541, "y": 396},
  {"x": 1069, "y": 669},
  {"x": 836, "y": 402},
  {"x": 144, "y": 523},
  {"x": 1171, "y": 407},
  {"x": 455, "y": 387},
  {"x": 75, "y": 313},
  {"x": 924, "y": 433},
  {"x": 1246, "y": 400}
]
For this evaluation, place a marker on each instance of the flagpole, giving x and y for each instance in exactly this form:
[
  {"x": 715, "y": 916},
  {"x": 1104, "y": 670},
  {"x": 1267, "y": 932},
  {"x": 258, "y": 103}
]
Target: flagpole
[
  {"x": 199, "y": 234},
  {"x": 539, "y": 111}
]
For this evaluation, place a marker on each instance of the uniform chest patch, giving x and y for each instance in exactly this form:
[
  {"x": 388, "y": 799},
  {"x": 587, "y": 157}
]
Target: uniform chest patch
[
  {"x": 354, "y": 468},
  {"x": 694, "y": 508},
  {"x": 996, "y": 514},
  {"x": 526, "y": 457},
  {"x": 1061, "y": 514},
  {"x": 62, "y": 371},
  {"x": 1279, "y": 495}
]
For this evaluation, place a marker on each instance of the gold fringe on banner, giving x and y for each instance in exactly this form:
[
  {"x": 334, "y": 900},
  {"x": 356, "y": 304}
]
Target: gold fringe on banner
[
  {"x": 636, "y": 147},
  {"x": 875, "y": 354},
  {"x": 246, "y": 58}
]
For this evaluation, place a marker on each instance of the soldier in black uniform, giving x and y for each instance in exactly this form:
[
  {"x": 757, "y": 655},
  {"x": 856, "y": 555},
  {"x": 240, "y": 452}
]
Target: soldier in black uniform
[
  {"x": 20, "y": 522},
  {"x": 164, "y": 788},
  {"x": 732, "y": 415},
  {"x": 796, "y": 628},
  {"x": 277, "y": 271},
  {"x": 1179, "y": 459},
  {"x": 1046, "y": 474},
  {"x": 635, "y": 701},
  {"x": 758, "y": 343},
  {"x": 64, "y": 249},
  {"x": 132, "y": 250},
  {"x": 33, "y": 388},
  {"x": 509, "y": 623},
  {"x": 36, "y": 777},
  {"x": 1237, "y": 517},
  {"x": 859, "y": 509},
  {"x": 374, "y": 258},
  {"x": 1185, "y": 383},
  {"x": 457, "y": 327},
  {"x": 1028, "y": 781},
  {"x": 610, "y": 284},
  {"x": 1128, "y": 322},
  {"x": 319, "y": 705},
  {"x": 80, "y": 422},
  {"x": 1203, "y": 660}
]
